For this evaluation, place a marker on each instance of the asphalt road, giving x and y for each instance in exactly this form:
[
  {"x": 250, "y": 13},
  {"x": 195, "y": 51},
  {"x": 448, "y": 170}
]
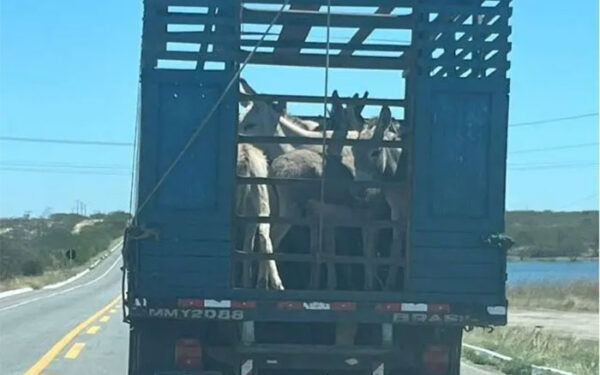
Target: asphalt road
[{"x": 75, "y": 329}]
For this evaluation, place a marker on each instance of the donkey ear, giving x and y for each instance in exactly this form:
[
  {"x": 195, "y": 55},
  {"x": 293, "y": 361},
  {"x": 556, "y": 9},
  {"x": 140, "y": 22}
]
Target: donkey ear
[
  {"x": 245, "y": 87},
  {"x": 360, "y": 107},
  {"x": 383, "y": 122}
]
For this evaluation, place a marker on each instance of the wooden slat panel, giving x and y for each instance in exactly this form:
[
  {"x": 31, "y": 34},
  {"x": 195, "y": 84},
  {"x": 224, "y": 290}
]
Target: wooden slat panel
[
  {"x": 362, "y": 34},
  {"x": 289, "y": 33},
  {"x": 310, "y": 18}
]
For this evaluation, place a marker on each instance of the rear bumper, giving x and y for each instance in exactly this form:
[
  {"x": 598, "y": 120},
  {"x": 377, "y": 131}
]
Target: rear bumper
[{"x": 409, "y": 313}]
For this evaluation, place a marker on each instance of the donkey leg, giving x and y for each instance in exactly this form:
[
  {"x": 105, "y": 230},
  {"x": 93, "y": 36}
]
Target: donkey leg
[
  {"x": 248, "y": 247},
  {"x": 268, "y": 270},
  {"x": 396, "y": 203}
]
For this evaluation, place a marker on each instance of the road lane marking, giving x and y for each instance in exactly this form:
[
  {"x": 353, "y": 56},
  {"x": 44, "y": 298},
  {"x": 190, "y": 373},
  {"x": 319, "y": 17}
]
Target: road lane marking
[
  {"x": 43, "y": 362},
  {"x": 105, "y": 318},
  {"x": 73, "y": 353},
  {"x": 93, "y": 330},
  {"x": 63, "y": 291}
]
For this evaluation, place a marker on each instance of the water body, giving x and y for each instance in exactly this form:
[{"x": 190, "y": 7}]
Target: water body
[{"x": 536, "y": 271}]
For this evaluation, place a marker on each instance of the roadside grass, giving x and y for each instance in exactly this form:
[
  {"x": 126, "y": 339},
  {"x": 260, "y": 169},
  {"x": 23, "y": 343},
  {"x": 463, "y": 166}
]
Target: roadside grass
[
  {"x": 51, "y": 276},
  {"x": 37, "y": 282},
  {"x": 579, "y": 295},
  {"x": 532, "y": 346}
]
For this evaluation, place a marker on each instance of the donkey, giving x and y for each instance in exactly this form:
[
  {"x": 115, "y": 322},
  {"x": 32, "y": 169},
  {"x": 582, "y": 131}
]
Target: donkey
[
  {"x": 253, "y": 200},
  {"x": 267, "y": 119},
  {"x": 373, "y": 161}
]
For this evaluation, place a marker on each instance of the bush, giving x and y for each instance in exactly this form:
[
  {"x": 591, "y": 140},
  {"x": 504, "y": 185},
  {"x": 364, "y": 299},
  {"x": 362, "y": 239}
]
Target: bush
[{"x": 32, "y": 268}]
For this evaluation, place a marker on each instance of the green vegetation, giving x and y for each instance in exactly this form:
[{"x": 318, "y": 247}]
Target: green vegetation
[
  {"x": 32, "y": 247},
  {"x": 580, "y": 295},
  {"x": 532, "y": 346},
  {"x": 553, "y": 234}
]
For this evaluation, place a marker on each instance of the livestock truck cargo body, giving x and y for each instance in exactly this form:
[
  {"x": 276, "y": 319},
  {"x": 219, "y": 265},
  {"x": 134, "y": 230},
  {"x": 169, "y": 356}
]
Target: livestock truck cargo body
[{"x": 362, "y": 236}]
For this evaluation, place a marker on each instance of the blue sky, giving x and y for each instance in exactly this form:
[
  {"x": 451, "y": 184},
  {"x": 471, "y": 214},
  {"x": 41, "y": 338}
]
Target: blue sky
[{"x": 69, "y": 70}]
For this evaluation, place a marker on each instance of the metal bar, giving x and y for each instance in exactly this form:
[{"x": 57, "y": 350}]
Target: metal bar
[
  {"x": 294, "y": 46},
  {"x": 348, "y": 222},
  {"x": 308, "y": 257},
  {"x": 318, "y": 141},
  {"x": 319, "y": 99},
  {"x": 316, "y": 60},
  {"x": 366, "y": 3},
  {"x": 308, "y": 181}
]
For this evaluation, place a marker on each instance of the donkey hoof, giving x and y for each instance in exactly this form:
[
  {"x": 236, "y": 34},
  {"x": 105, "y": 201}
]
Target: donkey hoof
[{"x": 278, "y": 285}]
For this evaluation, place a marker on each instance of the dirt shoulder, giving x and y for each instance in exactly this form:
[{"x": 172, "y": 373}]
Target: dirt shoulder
[{"x": 583, "y": 325}]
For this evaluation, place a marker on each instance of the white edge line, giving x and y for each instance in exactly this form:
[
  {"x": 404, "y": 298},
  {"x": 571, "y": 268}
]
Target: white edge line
[
  {"x": 69, "y": 280},
  {"x": 507, "y": 359},
  {"x": 63, "y": 291},
  {"x": 488, "y": 352},
  {"x": 475, "y": 368},
  {"x": 14, "y": 292}
]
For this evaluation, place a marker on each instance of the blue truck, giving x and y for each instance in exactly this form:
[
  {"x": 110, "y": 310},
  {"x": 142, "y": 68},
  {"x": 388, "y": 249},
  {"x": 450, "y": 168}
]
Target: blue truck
[{"x": 190, "y": 311}]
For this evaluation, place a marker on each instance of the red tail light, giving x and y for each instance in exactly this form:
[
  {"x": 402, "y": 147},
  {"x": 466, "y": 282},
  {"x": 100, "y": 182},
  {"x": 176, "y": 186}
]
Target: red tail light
[
  {"x": 188, "y": 354},
  {"x": 436, "y": 359}
]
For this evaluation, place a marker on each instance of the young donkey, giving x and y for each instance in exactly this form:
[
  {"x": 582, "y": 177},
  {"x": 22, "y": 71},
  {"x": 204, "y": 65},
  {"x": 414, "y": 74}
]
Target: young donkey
[{"x": 373, "y": 161}]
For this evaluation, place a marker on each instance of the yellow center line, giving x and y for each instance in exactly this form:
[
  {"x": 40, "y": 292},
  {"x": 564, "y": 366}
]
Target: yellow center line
[
  {"x": 112, "y": 311},
  {"x": 43, "y": 362},
  {"x": 105, "y": 318},
  {"x": 93, "y": 330},
  {"x": 75, "y": 350}
]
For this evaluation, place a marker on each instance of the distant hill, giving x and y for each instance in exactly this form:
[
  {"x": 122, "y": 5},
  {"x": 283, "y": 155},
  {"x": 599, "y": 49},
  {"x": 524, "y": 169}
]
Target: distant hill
[{"x": 553, "y": 234}]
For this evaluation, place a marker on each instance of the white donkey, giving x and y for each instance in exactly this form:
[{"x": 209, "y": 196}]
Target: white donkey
[{"x": 253, "y": 200}]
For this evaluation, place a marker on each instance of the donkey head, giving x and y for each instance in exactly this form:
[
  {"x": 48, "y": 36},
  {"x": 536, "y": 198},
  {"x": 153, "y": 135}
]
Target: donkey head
[
  {"x": 372, "y": 160},
  {"x": 257, "y": 117}
]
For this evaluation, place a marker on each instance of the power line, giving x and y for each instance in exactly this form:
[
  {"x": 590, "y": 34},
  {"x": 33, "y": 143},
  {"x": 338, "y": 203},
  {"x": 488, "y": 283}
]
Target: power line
[
  {"x": 58, "y": 171},
  {"x": 66, "y": 141},
  {"x": 554, "y": 148},
  {"x": 545, "y": 167},
  {"x": 36, "y": 164},
  {"x": 551, "y": 120}
]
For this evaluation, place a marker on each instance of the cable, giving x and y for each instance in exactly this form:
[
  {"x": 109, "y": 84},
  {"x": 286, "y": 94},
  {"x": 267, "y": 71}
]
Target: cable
[
  {"x": 584, "y": 199},
  {"x": 36, "y": 164},
  {"x": 50, "y": 171},
  {"x": 65, "y": 141},
  {"x": 323, "y": 144},
  {"x": 553, "y": 148},
  {"x": 208, "y": 115},
  {"x": 554, "y": 167},
  {"x": 551, "y": 120},
  {"x": 130, "y": 144}
]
